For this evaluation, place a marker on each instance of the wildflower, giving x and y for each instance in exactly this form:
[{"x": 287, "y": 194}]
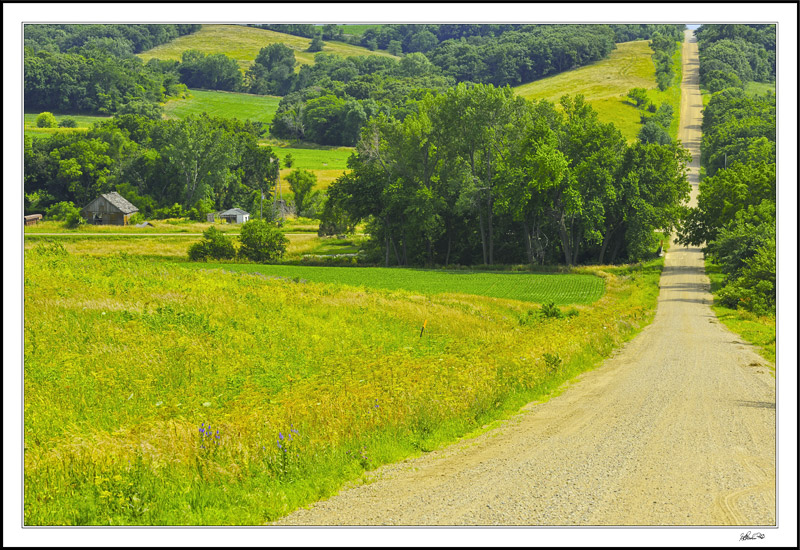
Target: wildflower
[{"x": 280, "y": 436}]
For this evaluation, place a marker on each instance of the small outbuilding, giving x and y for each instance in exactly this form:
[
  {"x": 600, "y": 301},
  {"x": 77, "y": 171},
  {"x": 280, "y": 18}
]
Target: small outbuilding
[
  {"x": 234, "y": 215},
  {"x": 108, "y": 209},
  {"x": 33, "y": 219}
]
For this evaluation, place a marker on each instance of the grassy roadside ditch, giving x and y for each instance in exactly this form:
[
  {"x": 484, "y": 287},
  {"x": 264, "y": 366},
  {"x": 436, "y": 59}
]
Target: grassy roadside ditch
[
  {"x": 759, "y": 331},
  {"x": 163, "y": 395}
]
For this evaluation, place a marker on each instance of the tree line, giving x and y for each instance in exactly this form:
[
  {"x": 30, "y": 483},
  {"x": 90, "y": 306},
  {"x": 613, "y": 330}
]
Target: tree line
[
  {"x": 735, "y": 217},
  {"x": 479, "y": 176},
  {"x": 733, "y": 55},
  {"x": 201, "y": 162}
]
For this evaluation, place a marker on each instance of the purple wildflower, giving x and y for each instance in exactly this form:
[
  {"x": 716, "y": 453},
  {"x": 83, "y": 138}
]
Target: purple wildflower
[{"x": 280, "y": 435}]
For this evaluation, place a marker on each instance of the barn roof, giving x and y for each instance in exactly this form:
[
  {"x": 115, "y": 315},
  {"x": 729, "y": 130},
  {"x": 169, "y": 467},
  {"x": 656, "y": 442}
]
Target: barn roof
[
  {"x": 120, "y": 202},
  {"x": 234, "y": 212},
  {"x": 116, "y": 200}
]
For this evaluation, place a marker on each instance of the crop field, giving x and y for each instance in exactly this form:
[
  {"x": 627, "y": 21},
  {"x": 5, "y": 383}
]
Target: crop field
[
  {"x": 243, "y": 44},
  {"x": 260, "y": 108},
  {"x": 562, "y": 289},
  {"x": 605, "y": 84},
  {"x": 156, "y": 394}
]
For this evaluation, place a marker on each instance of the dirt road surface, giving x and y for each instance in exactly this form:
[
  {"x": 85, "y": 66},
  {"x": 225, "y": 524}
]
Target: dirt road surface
[{"x": 676, "y": 428}]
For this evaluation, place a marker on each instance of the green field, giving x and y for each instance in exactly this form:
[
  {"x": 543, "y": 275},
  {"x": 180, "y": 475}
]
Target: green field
[
  {"x": 357, "y": 30},
  {"x": 605, "y": 84},
  {"x": 260, "y": 108},
  {"x": 243, "y": 44},
  {"x": 84, "y": 122},
  {"x": 759, "y": 88},
  {"x": 528, "y": 287},
  {"x": 157, "y": 394}
]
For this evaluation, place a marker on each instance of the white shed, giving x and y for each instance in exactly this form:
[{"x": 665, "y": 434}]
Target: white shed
[{"x": 234, "y": 215}]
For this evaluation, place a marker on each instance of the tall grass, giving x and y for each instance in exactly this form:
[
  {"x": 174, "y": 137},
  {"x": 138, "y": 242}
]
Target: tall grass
[
  {"x": 605, "y": 85},
  {"x": 303, "y": 386},
  {"x": 243, "y": 44}
]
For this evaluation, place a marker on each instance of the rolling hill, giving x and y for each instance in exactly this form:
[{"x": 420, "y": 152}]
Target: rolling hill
[
  {"x": 605, "y": 84},
  {"x": 243, "y": 44}
]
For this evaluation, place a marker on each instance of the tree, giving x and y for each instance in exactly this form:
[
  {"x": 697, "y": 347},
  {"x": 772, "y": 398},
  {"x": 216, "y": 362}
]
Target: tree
[
  {"x": 68, "y": 122},
  {"x": 61, "y": 210},
  {"x": 639, "y": 97},
  {"x": 46, "y": 120},
  {"x": 201, "y": 154},
  {"x": 213, "y": 246},
  {"x": 394, "y": 47},
  {"x": 301, "y": 182},
  {"x": 262, "y": 241},
  {"x": 652, "y": 132},
  {"x": 316, "y": 44}
]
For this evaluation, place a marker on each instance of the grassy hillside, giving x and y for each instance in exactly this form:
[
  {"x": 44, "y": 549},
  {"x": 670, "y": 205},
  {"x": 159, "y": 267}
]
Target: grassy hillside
[
  {"x": 178, "y": 396},
  {"x": 243, "y": 44},
  {"x": 224, "y": 104},
  {"x": 606, "y": 83}
]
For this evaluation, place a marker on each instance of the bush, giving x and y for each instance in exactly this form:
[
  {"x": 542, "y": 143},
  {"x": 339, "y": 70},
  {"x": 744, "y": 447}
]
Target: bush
[
  {"x": 68, "y": 122},
  {"x": 213, "y": 246},
  {"x": 174, "y": 211},
  {"x": 288, "y": 160},
  {"x": 46, "y": 120},
  {"x": 262, "y": 241},
  {"x": 755, "y": 290},
  {"x": 136, "y": 218},
  {"x": 73, "y": 220},
  {"x": 61, "y": 210}
]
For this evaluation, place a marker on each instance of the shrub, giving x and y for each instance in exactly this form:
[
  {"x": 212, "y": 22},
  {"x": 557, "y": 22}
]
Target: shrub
[
  {"x": 639, "y": 97},
  {"x": 214, "y": 245},
  {"x": 551, "y": 311},
  {"x": 174, "y": 211},
  {"x": 68, "y": 122},
  {"x": 73, "y": 220},
  {"x": 46, "y": 120},
  {"x": 288, "y": 160},
  {"x": 262, "y": 241},
  {"x": 316, "y": 44},
  {"x": 136, "y": 218},
  {"x": 61, "y": 210}
]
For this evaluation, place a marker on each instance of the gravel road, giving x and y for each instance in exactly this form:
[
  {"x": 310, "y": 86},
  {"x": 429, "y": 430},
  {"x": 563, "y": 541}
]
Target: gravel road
[{"x": 676, "y": 428}]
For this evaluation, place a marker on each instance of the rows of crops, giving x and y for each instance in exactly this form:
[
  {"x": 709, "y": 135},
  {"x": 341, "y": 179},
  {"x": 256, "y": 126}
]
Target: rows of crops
[{"x": 560, "y": 289}]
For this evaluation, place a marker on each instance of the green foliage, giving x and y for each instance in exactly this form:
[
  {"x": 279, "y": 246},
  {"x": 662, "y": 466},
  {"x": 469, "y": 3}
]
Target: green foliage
[
  {"x": 214, "y": 72},
  {"x": 73, "y": 220},
  {"x": 301, "y": 183},
  {"x": 262, "y": 241},
  {"x": 639, "y": 97},
  {"x": 288, "y": 160},
  {"x": 213, "y": 246},
  {"x": 316, "y": 44},
  {"x": 550, "y": 310},
  {"x": 46, "y": 120},
  {"x": 61, "y": 210},
  {"x": 755, "y": 289},
  {"x": 68, "y": 122}
]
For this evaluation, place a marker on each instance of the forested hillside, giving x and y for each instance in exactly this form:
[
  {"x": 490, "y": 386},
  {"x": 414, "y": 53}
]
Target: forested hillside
[{"x": 735, "y": 215}]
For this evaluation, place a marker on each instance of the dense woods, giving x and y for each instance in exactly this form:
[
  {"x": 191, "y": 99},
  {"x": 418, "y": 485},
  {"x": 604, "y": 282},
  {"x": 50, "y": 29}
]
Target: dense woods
[
  {"x": 164, "y": 167},
  {"x": 733, "y": 55},
  {"x": 736, "y": 216},
  {"x": 479, "y": 176}
]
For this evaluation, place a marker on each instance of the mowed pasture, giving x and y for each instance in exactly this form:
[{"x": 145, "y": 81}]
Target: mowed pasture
[
  {"x": 605, "y": 85},
  {"x": 561, "y": 289},
  {"x": 157, "y": 394},
  {"x": 260, "y": 108},
  {"x": 243, "y": 44}
]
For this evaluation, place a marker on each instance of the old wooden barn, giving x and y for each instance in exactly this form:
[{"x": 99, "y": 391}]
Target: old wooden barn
[{"x": 108, "y": 209}]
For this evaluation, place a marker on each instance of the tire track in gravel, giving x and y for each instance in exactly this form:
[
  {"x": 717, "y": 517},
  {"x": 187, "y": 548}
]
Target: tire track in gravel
[{"x": 675, "y": 428}]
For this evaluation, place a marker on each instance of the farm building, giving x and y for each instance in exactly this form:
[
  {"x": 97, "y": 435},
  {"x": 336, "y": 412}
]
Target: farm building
[
  {"x": 33, "y": 219},
  {"x": 234, "y": 215},
  {"x": 108, "y": 209}
]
